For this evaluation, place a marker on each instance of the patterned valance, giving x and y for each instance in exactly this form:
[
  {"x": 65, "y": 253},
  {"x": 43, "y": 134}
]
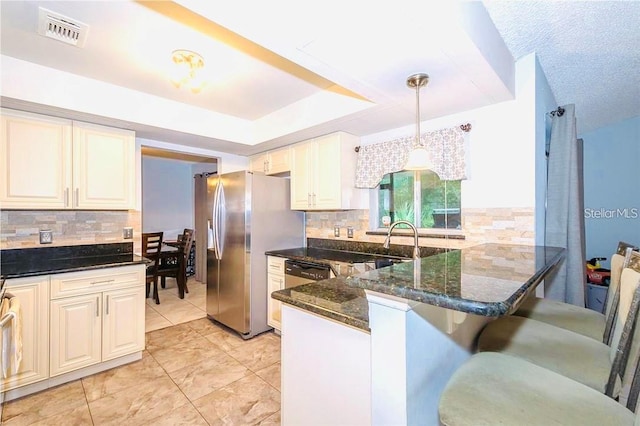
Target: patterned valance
[{"x": 446, "y": 147}]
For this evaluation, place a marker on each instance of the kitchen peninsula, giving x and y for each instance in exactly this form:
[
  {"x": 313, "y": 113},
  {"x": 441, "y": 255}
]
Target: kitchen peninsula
[{"x": 379, "y": 347}]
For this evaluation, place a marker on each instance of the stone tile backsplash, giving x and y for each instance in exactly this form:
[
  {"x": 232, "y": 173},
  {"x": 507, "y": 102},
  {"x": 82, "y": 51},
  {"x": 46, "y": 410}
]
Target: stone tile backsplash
[
  {"x": 20, "y": 228},
  {"x": 492, "y": 225}
]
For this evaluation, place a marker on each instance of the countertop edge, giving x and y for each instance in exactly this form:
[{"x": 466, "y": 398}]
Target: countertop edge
[
  {"x": 138, "y": 260},
  {"x": 488, "y": 309},
  {"x": 344, "y": 319}
]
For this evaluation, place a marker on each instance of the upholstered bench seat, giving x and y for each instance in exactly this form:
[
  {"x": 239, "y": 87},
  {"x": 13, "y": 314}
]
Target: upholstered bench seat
[
  {"x": 498, "y": 389},
  {"x": 595, "y": 364},
  {"x": 573, "y": 355},
  {"x": 580, "y": 320}
]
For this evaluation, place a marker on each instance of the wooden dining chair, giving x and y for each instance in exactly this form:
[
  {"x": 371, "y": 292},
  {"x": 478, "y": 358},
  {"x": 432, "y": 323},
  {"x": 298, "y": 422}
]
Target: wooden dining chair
[
  {"x": 178, "y": 269},
  {"x": 151, "y": 246}
]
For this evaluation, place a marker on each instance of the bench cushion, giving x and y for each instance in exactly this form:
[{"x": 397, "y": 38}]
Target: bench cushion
[{"x": 497, "y": 389}]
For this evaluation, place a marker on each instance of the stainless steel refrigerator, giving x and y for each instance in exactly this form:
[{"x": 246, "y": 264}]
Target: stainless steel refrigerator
[{"x": 248, "y": 215}]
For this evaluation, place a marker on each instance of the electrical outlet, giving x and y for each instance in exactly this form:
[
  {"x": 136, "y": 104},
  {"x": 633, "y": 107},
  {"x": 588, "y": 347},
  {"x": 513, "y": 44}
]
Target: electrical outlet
[
  {"x": 46, "y": 236},
  {"x": 350, "y": 232},
  {"x": 127, "y": 233},
  {"x": 336, "y": 231}
]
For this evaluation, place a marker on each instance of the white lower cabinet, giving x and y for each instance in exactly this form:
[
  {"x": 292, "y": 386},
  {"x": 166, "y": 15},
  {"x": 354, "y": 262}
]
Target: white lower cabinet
[
  {"x": 33, "y": 294},
  {"x": 105, "y": 323},
  {"x": 275, "y": 281},
  {"x": 75, "y": 333},
  {"x": 123, "y": 323}
]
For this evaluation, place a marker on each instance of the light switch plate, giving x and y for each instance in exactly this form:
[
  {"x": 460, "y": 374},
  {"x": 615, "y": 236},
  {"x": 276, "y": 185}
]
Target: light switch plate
[
  {"x": 349, "y": 232},
  {"x": 46, "y": 236},
  {"x": 127, "y": 233},
  {"x": 336, "y": 231}
]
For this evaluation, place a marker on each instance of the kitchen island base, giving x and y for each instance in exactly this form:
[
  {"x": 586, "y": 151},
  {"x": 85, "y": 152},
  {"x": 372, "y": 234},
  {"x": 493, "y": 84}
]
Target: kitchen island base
[
  {"x": 326, "y": 371},
  {"x": 391, "y": 338},
  {"x": 333, "y": 373},
  {"x": 415, "y": 349}
]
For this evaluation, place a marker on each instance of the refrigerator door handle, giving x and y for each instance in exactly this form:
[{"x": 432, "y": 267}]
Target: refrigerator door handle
[
  {"x": 215, "y": 217},
  {"x": 222, "y": 225}
]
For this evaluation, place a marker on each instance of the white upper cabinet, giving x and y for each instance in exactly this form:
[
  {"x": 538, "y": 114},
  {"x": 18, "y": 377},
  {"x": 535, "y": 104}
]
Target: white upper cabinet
[
  {"x": 36, "y": 161},
  {"x": 272, "y": 162},
  {"x": 323, "y": 174},
  {"x": 104, "y": 167},
  {"x": 51, "y": 163}
]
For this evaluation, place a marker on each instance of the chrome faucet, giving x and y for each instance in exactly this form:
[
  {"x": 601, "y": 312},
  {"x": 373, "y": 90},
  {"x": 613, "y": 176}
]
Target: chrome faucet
[{"x": 416, "y": 248}]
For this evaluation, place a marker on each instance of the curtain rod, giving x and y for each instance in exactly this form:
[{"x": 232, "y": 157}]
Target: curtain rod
[
  {"x": 206, "y": 174},
  {"x": 464, "y": 127},
  {"x": 557, "y": 112}
]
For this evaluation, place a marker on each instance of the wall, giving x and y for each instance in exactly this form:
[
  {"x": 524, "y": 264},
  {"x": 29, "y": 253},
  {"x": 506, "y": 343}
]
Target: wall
[
  {"x": 545, "y": 103},
  {"x": 167, "y": 196},
  {"x": 499, "y": 198},
  {"x": 70, "y": 227},
  {"x": 226, "y": 162},
  {"x": 168, "y": 199},
  {"x": 612, "y": 187}
]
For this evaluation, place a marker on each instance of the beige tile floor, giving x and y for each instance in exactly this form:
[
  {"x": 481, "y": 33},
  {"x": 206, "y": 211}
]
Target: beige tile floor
[
  {"x": 172, "y": 310},
  {"x": 193, "y": 372}
]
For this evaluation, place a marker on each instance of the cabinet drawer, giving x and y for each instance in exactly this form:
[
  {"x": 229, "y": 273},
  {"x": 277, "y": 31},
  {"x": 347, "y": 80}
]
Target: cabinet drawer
[
  {"x": 275, "y": 265},
  {"x": 76, "y": 283}
]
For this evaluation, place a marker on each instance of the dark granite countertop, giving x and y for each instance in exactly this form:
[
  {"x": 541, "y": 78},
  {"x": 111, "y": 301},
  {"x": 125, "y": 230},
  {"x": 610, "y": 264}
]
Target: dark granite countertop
[
  {"x": 330, "y": 298},
  {"x": 16, "y": 263},
  {"x": 312, "y": 254},
  {"x": 488, "y": 280}
]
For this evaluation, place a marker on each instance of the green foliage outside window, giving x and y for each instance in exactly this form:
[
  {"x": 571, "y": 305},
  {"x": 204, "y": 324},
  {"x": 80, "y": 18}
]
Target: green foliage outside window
[{"x": 396, "y": 199}]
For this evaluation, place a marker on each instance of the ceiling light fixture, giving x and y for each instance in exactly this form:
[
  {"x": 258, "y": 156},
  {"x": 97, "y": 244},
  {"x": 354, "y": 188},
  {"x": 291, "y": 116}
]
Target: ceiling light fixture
[
  {"x": 187, "y": 72},
  {"x": 419, "y": 158}
]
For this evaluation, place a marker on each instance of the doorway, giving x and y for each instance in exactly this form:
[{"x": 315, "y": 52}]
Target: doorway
[{"x": 168, "y": 204}]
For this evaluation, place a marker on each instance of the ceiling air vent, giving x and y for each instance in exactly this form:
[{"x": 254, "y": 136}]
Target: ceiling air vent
[{"x": 61, "y": 28}]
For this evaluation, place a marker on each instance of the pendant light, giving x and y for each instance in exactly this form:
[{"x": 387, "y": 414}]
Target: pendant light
[{"x": 419, "y": 158}]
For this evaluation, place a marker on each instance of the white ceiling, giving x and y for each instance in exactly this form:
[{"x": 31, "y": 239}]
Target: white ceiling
[
  {"x": 285, "y": 70},
  {"x": 589, "y": 51}
]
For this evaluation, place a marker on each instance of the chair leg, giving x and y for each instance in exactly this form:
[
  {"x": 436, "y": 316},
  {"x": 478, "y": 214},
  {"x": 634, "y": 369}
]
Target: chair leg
[
  {"x": 163, "y": 282},
  {"x": 147, "y": 288},
  {"x": 181, "y": 285},
  {"x": 155, "y": 292}
]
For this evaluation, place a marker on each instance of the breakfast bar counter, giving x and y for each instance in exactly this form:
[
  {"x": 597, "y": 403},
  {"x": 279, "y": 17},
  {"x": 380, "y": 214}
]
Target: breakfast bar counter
[{"x": 388, "y": 340}]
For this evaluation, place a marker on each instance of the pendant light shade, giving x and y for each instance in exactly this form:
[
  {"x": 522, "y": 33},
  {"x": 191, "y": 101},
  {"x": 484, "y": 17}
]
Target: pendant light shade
[{"x": 419, "y": 158}]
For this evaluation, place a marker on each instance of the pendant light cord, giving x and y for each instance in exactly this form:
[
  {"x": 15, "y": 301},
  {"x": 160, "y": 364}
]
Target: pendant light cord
[{"x": 418, "y": 141}]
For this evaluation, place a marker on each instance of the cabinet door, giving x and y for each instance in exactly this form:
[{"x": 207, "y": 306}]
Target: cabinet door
[
  {"x": 259, "y": 163},
  {"x": 274, "y": 307},
  {"x": 327, "y": 180},
  {"x": 123, "y": 322},
  {"x": 76, "y": 324},
  {"x": 33, "y": 293},
  {"x": 104, "y": 167},
  {"x": 35, "y": 152},
  {"x": 301, "y": 176},
  {"x": 279, "y": 161}
]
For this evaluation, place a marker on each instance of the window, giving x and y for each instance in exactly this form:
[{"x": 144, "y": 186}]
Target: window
[{"x": 421, "y": 198}]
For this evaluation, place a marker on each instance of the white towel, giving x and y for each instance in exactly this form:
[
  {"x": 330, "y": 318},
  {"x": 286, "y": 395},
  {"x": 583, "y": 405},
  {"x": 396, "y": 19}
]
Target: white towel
[{"x": 11, "y": 335}]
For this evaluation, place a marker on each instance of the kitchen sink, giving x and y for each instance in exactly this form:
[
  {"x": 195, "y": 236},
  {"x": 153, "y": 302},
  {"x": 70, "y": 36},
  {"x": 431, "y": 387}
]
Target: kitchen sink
[{"x": 388, "y": 261}]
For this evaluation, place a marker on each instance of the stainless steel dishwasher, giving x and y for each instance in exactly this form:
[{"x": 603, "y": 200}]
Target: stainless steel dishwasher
[{"x": 298, "y": 272}]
